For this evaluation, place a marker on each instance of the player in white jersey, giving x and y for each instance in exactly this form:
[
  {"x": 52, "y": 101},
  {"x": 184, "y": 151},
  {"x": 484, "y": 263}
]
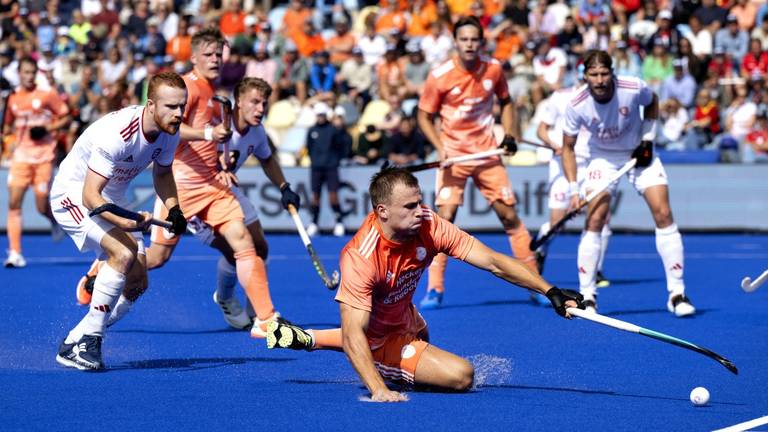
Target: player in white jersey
[
  {"x": 550, "y": 132},
  {"x": 609, "y": 108},
  {"x": 104, "y": 160},
  {"x": 248, "y": 138}
]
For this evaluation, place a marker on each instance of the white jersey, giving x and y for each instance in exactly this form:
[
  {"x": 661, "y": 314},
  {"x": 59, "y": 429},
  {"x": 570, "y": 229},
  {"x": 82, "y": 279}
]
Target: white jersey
[
  {"x": 554, "y": 117},
  {"x": 615, "y": 126},
  {"x": 115, "y": 148},
  {"x": 254, "y": 142}
]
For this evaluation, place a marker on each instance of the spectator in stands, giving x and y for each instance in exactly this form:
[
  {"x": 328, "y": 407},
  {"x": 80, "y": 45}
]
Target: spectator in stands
[
  {"x": 679, "y": 86},
  {"x": 421, "y": 14},
  {"x": 71, "y": 72},
  {"x": 517, "y": 11},
  {"x": 721, "y": 65},
  {"x": 390, "y": 75},
  {"x": 591, "y": 11},
  {"x": 308, "y": 39},
  {"x": 243, "y": 41},
  {"x": 322, "y": 76},
  {"x": 506, "y": 40},
  {"x": 744, "y": 11},
  {"x": 112, "y": 69},
  {"x": 761, "y": 33},
  {"x": 625, "y": 61},
  {"x": 232, "y": 71},
  {"x": 356, "y": 78},
  {"x": 437, "y": 45},
  {"x": 674, "y": 118},
  {"x": 755, "y": 62},
  {"x": 757, "y": 140},
  {"x": 152, "y": 43},
  {"x": 520, "y": 75},
  {"x": 692, "y": 64},
  {"x": 407, "y": 145},
  {"x": 542, "y": 23},
  {"x": 732, "y": 40},
  {"x": 232, "y": 21},
  {"x": 740, "y": 116},
  {"x": 179, "y": 48},
  {"x": 341, "y": 44},
  {"x": 700, "y": 37},
  {"x": 261, "y": 65},
  {"x": 326, "y": 147},
  {"x": 705, "y": 125},
  {"x": 711, "y": 15},
  {"x": 623, "y": 9},
  {"x": 108, "y": 19},
  {"x": 598, "y": 37},
  {"x": 549, "y": 67},
  {"x": 372, "y": 44},
  {"x": 415, "y": 72},
  {"x": 80, "y": 28},
  {"x": 136, "y": 26},
  {"x": 169, "y": 20},
  {"x": 570, "y": 39},
  {"x": 370, "y": 145},
  {"x": 657, "y": 66},
  {"x": 291, "y": 75},
  {"x": 667, "y": 33}
]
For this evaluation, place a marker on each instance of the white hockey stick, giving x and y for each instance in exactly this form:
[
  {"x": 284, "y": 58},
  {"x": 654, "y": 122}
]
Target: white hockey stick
[{"x": 748, "y": 286}]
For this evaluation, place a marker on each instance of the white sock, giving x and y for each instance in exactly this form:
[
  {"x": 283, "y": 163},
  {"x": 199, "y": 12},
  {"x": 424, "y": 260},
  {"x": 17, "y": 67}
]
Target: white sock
[
  {"x": 588, "y": 255},
  {"x": 605, "y": 237},
  {"x": 543, "y": 230},
  {"x": 122, "y": 307},
  {"x": 226, "y": 278},
  {"x": 106, "y": 289},
  {"x": 669, "y": 244}
]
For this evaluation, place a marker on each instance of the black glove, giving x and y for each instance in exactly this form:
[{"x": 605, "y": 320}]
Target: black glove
[
  {"x": 558, "y": 298},
  {"x": 644, "y": 154},
  {"x": 38, "y": 132},
  {"x": 509, "y": 144},
  {"x": 177, "y": 220},
  {"x": 289, "y": 197}
]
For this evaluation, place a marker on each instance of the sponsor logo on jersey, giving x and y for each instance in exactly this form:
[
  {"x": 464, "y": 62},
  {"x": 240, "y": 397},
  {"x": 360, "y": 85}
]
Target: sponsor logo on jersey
[
  {"x": 128, "y": 159},
  {"x": 421, "y": 253},
  {"x": 155, "y": 153},
  {"x": 624, "y": 111}
]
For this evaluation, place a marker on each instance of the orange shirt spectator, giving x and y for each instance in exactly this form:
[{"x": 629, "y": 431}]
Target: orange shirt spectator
[
  {"x": 232, "y": 23},
  {"x": 493, "y": 7},
  {"x": 390, "y": 20},
  {"x": 308, "y": 41},
  {"x": 507, "y": 45},
  {"x": 180, "y": 46},
  {"x": 402, "y": 5},
  {"x": 460, "y": 7},
  {"x": 390, "y": 74},
  {"x": 422, "y": 14},
  {"x": 295, "y": 17},
  {"x": 340, "y": 46}
]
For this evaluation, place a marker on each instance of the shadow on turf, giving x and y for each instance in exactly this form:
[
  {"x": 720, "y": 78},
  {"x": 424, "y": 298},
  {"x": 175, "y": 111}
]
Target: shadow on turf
[
  {"x": 180, "y": 332},
  {"x": 191, "y": 364},
  {"x": 660, "y": 311},
  {"x": 487, "y": 303},
  {"x": 596, "y": 392}
]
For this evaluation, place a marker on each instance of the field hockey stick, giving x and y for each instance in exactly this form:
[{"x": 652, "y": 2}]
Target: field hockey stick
[
  {"x": 632, "y": 328},
  {"x": 226, "y": 120},
  {"x": 330, "y": 282},
  {"x": 127, "y": 214},
  {"x": 557, "y": 227},
  {"x": 544, "y": 146},
  {"x": 453, "y": 160},
  {"x": 748, "y": 285}
]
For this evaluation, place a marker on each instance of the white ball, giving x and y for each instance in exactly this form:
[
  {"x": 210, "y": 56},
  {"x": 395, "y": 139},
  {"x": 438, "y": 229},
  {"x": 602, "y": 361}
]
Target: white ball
[{"x": 699, "y": 396}]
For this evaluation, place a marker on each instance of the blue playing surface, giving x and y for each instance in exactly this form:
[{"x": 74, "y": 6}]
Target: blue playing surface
[{"x": 173, "y": 363}]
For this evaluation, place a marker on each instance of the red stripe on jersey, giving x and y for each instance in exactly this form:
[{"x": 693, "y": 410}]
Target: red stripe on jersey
[
  {"x": 627, "y": 84},
  {"x": 581, "y": 97},
  {"x": 133, "y": 123},
  {"x": 127, "y": 135}
]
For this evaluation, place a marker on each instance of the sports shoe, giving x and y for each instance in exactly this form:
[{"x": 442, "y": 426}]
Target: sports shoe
[
  {"x": 57, "y": 232},
  {"x": 15, "y": 260},
  {"x": 84, "y": 354},
  {"x": 233, "y": 312},
  {"x": 601, "y": 281},
  {"x": 259, "y": 328},
  {"x": 338, "y": 229},
  {"x": 590, "y": 304},
  {"x": 432, "y": 300},
  {"x": 312, "y": 230},
  {"x": 540, "y": 299},
  {"x": 84, "y": 288},
  {"x": 283, "y": 334},
  {"x": 680, "y": 305}
]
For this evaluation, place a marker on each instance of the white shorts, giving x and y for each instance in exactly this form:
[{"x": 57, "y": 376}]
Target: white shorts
[
  {"x": 558, "y": 184},
  {"x": 204, "y": 233},
  {"x": 85, "y": 231},
  {"x": 602, "y": 166}
]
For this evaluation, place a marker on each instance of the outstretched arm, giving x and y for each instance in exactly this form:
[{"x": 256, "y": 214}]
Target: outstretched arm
[{"x": 353, "y": 324}]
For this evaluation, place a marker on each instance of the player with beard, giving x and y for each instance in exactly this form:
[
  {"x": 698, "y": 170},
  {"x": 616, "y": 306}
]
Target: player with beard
[{"x": 104, "y": 160}]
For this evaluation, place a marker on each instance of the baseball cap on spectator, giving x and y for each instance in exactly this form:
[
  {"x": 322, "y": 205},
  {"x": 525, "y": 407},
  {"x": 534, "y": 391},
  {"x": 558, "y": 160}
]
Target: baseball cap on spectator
[
  {"x": 530, "y": 45},
  {"x": 62, "y": 31},
  {"x": 731, "y": 19},
  {"x": 678, "y": 63},
  {"x": 153, "y": 22},
  {"x": 339, "y": 111},
  {"x": 249, "y": 20},
  {"x": 290, "y": 46},
  {"x": 665, "y": 14},
  {"x": 356, "y": 51},
  {"x": 320, "y": 108}
]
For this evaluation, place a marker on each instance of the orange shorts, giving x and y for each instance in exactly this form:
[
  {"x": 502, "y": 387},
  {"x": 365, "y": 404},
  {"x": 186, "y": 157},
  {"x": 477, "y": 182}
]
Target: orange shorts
[
  {"x": 491, "y": 179},
  {"x": 396, "y": 360},
  {"x": 213, "y": 204},
  {"x": 25, "y": 175}
]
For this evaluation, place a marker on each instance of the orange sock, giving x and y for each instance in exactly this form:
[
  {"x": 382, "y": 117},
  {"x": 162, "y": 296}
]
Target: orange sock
[
  {"x": 437, "y": 273},
  {"x": 14, "y": 230},
  {"x": 252, "y": 275},
  {"x": 519, "y": 240},
  {"x": 327, "y": 339}
]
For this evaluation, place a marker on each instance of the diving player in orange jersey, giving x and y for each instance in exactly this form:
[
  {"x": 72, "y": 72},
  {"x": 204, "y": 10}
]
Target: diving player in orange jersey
[
  {"x": 461, "y": 92},
  {"x": 34, "y": 115},
  {"x": 383, "y": 335}
]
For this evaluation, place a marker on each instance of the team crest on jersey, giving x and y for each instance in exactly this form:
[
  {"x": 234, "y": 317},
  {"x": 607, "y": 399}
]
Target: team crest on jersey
[
  {"x": 624, "y": 111},
  {"x": 36, "y": 103},
  {"x": 487, "y": 84},
  {"x": 455, "y": 91},
  {"x": 314, "y": 135},
  {"x": 250, "y": 149},
  {"x": 156, "y": 153},
  {"x": 421, "y": 253}
]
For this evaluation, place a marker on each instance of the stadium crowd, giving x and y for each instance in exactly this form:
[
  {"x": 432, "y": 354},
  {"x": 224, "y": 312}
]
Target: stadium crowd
[{"x": 365, "y": 62}]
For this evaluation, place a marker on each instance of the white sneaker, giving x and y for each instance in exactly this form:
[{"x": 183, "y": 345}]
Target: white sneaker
[
  {"x": 233, "y": 312},
  {"x": 15, "y": 260},
  {"x": 312, "y": 230},
  {"x": 680, "y": 305},
  {"x": 338, "y": 230},
  {"x": 259, "y": 329},
  {"x": 57, "y": 232}
]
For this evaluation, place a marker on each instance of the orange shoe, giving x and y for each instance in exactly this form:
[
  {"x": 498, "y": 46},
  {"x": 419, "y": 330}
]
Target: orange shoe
[{"x": 84, "y": 288}]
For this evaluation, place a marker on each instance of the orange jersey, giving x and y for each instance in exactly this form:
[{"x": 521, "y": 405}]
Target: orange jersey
[
  {"x": 464, "y": 102},
  {"x": 195, "y": 163},
  {"x": 27, "y": 109},
  {"x": 380, "y": 276}
]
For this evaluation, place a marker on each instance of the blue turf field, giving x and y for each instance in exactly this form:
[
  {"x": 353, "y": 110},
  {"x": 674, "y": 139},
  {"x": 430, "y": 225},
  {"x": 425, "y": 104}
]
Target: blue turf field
[{"x": 174, "y": 364}]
